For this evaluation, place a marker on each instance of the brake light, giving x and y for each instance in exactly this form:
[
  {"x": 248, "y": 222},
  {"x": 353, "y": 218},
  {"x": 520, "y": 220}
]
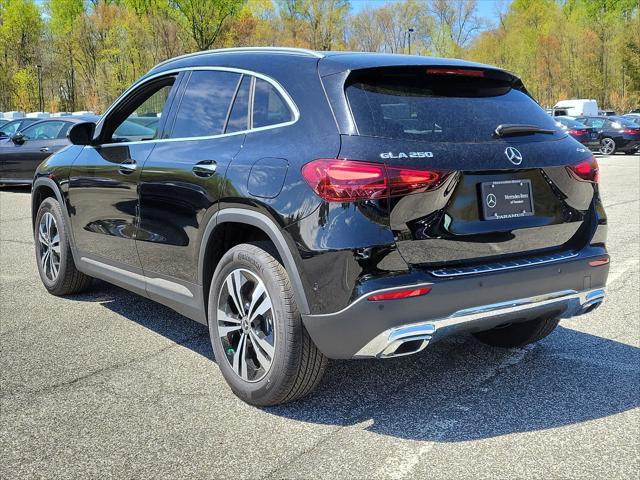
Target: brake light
[
  {"x": 338, "y": 180},
  {"x": 632, "y": 131},
  {"x": 586, "y": 171},
  {"x": 455, "y": 71},
  {"x": 413, "y": 292},
  {"x": 577, "y": 132}
]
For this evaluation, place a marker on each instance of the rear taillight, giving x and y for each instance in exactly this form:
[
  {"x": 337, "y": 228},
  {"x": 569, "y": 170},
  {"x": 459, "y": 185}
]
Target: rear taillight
[
  {"x": 338, "y": 180},
  {"x": 577, "y": 132},
  {"x": 586, "y": 171},
  {"x": 632, "y": 131},
  {"x": 398, "y": 294}
]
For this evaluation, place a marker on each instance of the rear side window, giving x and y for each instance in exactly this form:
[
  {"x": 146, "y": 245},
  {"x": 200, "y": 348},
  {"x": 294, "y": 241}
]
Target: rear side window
[
  {"x": 410, "y": 103},
  {"x": 269, "y": 108},
  {"x": 205, "y": 104}
]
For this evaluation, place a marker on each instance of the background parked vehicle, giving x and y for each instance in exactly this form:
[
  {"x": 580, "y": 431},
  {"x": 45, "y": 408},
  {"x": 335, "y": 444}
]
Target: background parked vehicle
[
  {"x": 634, "y": 117},
  {"x": 588, "y": 136},
  {"x": 607, "y": 113},
  {"x": 575, "y": 107},
  {"x": 614, "y": 133},
  {"x": 21, "y": 153},
  {"x": 11, "y": 128}
]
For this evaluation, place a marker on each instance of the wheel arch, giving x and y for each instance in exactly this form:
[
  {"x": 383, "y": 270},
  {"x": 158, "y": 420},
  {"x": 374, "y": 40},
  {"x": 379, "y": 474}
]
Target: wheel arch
[{"x": 262, "y": 226}]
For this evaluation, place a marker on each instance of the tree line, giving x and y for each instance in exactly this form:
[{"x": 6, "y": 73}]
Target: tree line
[{"x": 68, "y": 55}]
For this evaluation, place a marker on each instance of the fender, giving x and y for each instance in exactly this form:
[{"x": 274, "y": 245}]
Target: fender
[
  {"x": 268, "y": 226},
  {"x": 48, "y": 182}
]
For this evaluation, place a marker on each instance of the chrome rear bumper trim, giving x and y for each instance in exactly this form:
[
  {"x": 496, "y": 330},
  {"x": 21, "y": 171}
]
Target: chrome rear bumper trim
[
  {"x": 506, "y": 265},
  {"x": 386, "y": 343}
]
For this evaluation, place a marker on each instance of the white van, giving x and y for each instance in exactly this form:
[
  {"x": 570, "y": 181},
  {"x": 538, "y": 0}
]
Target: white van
[{"x": 576, "y": 108}]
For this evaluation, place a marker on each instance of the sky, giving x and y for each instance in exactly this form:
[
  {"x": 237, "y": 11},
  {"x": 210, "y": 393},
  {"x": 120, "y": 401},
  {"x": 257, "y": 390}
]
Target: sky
[{"x": 486, "y": 8}]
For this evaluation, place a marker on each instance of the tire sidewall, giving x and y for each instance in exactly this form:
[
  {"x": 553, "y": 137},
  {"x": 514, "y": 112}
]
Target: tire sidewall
[
  {"x": 274, "y": 381},
  {"x": 50, "y": 205}
]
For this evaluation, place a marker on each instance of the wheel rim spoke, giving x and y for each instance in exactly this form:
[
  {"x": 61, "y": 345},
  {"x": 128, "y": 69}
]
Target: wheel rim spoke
[
  {"x": 239, "y": 358},
  {"x": 263, "y": 344},
  {"x": 262, "y": 358},
  {"x": 55, "y": 244},
  {"x": 42, "y": 235}
]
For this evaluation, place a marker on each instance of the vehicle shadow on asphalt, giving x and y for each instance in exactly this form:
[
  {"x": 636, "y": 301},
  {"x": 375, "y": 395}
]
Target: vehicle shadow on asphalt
[
  {"x": 456, "y": 390},
  {"x": 460, "y": 390}
]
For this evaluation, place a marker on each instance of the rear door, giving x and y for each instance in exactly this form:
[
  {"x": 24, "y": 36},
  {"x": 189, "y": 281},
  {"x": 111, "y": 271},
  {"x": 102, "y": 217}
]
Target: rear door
[
  {"x": 184, "y": 177},
  {"x": 463, "y": 192}
]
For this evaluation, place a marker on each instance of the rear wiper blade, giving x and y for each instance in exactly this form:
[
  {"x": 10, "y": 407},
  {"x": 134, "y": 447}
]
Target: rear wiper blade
[{"x": 508, "y": 129}]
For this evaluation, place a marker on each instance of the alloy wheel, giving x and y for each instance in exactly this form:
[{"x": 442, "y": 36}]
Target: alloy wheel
[
  {"x": 49, "y": 246},
  {"x": 607, "y": 146},
  {"x": 246, "y": 325}
]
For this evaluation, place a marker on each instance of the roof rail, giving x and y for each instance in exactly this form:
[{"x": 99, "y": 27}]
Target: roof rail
[{"x": 285, "y": 50}]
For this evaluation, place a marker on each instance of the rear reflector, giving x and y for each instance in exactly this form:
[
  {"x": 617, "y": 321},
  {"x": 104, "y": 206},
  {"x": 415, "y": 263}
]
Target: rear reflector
[
  {"x": 455, "y": 71},
  {"x": 599, "y": 262},
  {"x": 414, "y": 292},
  {"x": 585, "y": 171},
  {"x": 338, "y": 180}
]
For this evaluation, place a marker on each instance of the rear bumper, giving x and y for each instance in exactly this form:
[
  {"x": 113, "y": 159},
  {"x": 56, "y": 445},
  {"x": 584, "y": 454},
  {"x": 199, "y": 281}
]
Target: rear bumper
[{"x": 467, "y": 303}]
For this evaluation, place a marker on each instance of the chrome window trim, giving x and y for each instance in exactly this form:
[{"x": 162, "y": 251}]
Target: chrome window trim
[{"x": 285, "y": 95}]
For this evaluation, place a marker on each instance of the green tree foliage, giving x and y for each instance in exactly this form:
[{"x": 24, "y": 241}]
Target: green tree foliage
[{"x": 90, "y": 51}]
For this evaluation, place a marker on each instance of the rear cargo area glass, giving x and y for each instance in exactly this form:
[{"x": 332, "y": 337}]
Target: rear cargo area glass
[{"x": 409, "y": 103}]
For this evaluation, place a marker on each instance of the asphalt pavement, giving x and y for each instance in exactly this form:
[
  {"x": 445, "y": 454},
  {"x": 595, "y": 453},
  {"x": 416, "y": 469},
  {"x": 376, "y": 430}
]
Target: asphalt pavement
[{"x": 111, "y": 385}]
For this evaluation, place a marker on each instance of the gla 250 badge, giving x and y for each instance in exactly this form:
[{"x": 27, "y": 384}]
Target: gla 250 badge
[{"x": 406, "y": 155}]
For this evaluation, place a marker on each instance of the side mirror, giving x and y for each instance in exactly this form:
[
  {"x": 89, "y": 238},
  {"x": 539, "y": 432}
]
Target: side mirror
[
  {"x": 18, "y": 138},
  {"x": 81, "y": 133}
]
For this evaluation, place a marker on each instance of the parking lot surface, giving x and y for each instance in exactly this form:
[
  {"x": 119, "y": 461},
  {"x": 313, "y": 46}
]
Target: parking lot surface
[{"x": 108, "y": 384}]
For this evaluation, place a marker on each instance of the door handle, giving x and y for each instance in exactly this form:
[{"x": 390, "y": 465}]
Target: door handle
[
  {"x": 205, "y": 168},
  {"x": 128, "y": 166},
  {"x": 44, "y": 149}
]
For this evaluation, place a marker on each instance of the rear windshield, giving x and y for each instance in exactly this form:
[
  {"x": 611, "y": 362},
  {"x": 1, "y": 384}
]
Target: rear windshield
[
  {"x": 410, "y": 103},
  {"x": 568, "y": 122}
]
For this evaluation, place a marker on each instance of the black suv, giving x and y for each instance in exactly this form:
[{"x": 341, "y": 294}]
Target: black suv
[{"x": 314, "y": 205}]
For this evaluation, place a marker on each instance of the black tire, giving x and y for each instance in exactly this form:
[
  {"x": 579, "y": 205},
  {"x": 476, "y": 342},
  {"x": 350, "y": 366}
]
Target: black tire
[
  {"x": 297, "y": 366},
  {"x": 68, "y": 279},
  {"x": 519, "y": 334}
]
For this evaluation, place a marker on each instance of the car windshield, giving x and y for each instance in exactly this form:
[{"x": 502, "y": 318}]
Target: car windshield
[
  {"x": 10, "y": 128},
  {"x": 414, "y": 104},
  {"x": 625, "y": 122}
]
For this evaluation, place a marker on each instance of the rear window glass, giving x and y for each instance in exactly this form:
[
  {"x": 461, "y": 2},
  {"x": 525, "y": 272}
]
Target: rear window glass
[
  {"x": 408, "y": 103},
  {"x": 269, "y": 108}
]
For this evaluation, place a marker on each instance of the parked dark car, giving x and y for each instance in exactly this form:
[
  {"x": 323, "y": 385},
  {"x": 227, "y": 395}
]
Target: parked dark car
[
  {"x": 21, "y": 154},
  {"x": 309, "y": 205},
  {"x": 634, "y": 117},
  {"x": 10, "y": 128},
  {"x": 615, "y": 134},
  {"x": 585, "y": 135}
]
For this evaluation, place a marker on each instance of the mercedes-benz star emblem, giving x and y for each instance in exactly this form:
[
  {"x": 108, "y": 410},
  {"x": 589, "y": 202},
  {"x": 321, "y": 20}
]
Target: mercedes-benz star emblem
[
  {"x": 513, "y": 155},
  {"x": 491, "y": 200}
]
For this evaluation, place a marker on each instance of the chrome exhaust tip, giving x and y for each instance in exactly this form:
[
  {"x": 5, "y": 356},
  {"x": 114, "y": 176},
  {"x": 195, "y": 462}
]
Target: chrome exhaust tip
[{"x": 406, "y": 346}]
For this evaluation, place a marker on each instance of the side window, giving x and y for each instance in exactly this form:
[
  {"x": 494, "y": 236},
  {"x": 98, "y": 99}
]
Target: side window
[
  {"x": 205, "y": 104},
  {"x": 597, "y": 122},
  {"x": 43, "y": 131},
  {"x": 269, "y": 108},
  {"x": 239, "y": 116},
  {"x": 138, "y": 117}
]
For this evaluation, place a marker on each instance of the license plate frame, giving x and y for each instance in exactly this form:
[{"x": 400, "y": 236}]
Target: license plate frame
[{"x": 504, "y": 199}]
